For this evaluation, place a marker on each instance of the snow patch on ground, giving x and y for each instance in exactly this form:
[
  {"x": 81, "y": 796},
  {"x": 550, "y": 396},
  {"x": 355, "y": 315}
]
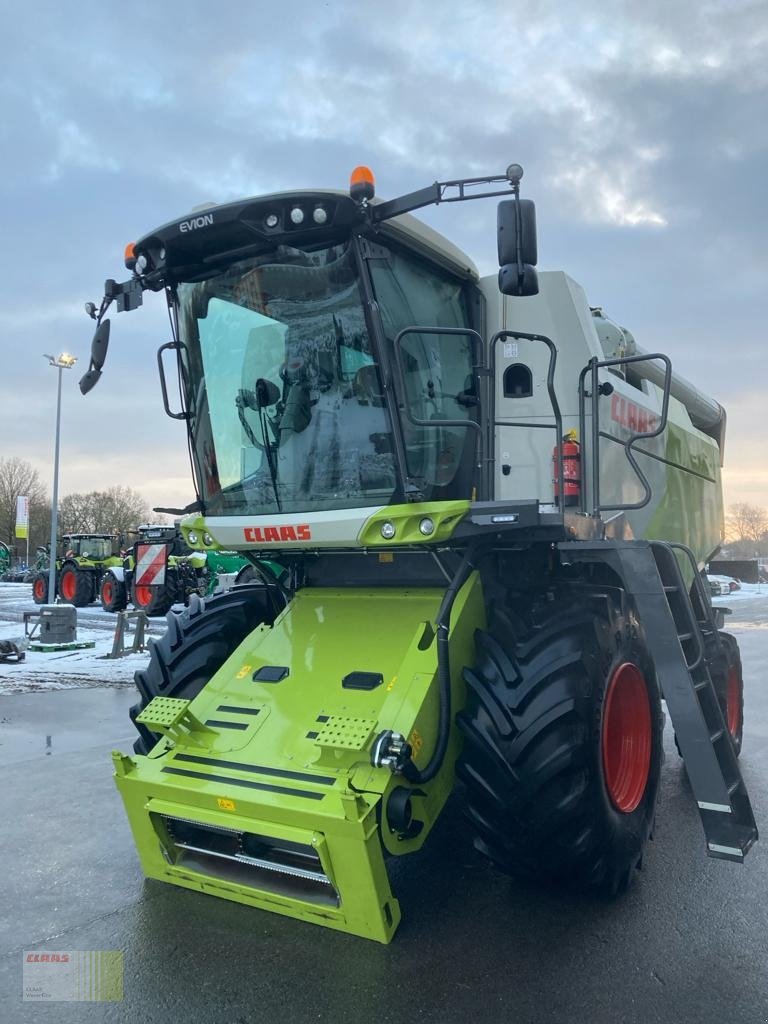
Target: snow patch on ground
[{"x": 64, "y": 670}]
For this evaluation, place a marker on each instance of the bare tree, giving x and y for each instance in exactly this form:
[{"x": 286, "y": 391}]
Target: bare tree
[
  {"x": 116, "y": 510},
  {"x": 18, "y": 477},
  {"x": 746, "y": 528}
]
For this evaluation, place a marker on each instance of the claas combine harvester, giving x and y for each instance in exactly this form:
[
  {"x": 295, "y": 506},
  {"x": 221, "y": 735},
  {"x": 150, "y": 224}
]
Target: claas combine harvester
[{"x": 492, "y": 509}]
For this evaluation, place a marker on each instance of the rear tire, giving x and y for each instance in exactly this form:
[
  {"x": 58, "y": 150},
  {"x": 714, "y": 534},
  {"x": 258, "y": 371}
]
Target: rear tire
[
  {"x": 157, "y": 599},
  {"x": 76, "y": 586},
  {"x": 40, "y": 588},
  {"x": 113, "y": 595},
  {"x": 563, "y": 748},
  {"x": 198, "y": 642},
  {"x": 729, "y": 686}
]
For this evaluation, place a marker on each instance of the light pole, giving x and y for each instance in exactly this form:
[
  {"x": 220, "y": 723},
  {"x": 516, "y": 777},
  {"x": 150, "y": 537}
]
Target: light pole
[{"x": 64, "y": 362}]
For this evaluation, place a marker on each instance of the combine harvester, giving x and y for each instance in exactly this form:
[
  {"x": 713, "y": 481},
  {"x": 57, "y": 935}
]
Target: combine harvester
[{"x": 492, "y": 508}]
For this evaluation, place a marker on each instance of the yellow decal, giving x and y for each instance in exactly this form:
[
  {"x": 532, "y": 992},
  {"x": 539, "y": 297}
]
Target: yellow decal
[
  {"x": 386, "y": 556},
  {"x": 243, "y": 671},
  {"x": 391, "y": 683},
  {"x": 224, "y": 804},
  {"x": 416, "y": 741}
]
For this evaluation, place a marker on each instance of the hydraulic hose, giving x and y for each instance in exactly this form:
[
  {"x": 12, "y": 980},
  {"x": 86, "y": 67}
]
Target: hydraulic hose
[{"x": 442, "y": 624}]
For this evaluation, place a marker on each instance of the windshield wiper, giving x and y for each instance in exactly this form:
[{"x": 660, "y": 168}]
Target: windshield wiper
[{"x": 264, "y": 395}]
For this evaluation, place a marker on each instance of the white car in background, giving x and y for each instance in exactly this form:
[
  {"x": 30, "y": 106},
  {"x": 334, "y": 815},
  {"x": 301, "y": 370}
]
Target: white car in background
[{"x": 721, "y": 586}]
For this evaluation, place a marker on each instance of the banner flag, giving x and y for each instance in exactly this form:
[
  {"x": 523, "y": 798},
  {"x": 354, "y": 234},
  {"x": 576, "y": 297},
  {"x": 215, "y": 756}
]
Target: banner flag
[{"x": 22, "y": 516}]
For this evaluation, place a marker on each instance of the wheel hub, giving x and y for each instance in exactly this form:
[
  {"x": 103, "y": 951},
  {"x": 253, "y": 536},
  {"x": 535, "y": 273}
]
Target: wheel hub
[
  {"x": 68, "y": 585},
  {"x": 626, "y": 737}
]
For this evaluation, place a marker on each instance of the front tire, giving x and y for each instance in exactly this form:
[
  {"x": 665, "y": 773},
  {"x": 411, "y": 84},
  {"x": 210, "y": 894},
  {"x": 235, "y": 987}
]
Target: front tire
[
  {"x": 113, "y": 595},
  {"x": 563, "y": 748},
  {"x": 198, "y": 642},
  {"x": 40, "y": 588}
]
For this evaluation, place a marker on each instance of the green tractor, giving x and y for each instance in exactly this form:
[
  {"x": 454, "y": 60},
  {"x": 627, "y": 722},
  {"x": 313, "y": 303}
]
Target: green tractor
[
  {"x": 492, "y": 509},
  {"x": 5, "y": 559},
  {"x": 82, "y": 561},
  {"x": 182, "y": 572}
]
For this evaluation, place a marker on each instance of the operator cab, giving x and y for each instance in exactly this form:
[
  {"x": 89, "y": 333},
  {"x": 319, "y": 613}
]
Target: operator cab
[{"x": 309, "y": 382}]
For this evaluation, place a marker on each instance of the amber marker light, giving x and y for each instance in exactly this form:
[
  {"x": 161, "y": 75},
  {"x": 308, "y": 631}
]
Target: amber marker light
[
  {"x": 130, "y": 256},
  {"x": 362, "y": 186}
]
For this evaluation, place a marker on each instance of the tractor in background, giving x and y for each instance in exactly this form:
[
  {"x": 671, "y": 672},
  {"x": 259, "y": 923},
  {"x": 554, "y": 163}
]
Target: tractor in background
[
  {"x": 5, "y": 559},
  {"x": 82, "y": 560},
  {"x": 174, "y": 572}
]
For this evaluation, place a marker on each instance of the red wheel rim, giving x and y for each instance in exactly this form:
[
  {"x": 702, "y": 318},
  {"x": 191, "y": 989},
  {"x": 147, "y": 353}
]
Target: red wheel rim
[
  {"x": 68, "y": 585},
  {"x": 143, "y": 595},
  {"x": 106, "y": 591},
  {"x": 626, "y": 737},
  {"x": 733, "y": 701},
  {"x": 39, "y": 589}
]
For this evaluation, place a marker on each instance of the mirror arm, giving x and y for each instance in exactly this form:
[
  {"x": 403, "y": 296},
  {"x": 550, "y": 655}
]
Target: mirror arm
[{"x": 439, "y": 192}]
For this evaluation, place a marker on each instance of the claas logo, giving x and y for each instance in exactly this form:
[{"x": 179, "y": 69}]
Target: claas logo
[{"x": 276, "y": 534}]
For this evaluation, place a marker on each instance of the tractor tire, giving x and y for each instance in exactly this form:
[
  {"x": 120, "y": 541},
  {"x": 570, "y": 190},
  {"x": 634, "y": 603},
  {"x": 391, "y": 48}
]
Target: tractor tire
[
  {"x": 112, "y": 594},
  {"x": 724, "y": 664},
  {"x": 563, "y": 749},
  {"x": 198, "y": 642},
  {"x": 729, "y": 686},
  {"x": 155, "y": 600},
  {"x": 76, "y": 586},
  {"x": 40, "y": 588}
]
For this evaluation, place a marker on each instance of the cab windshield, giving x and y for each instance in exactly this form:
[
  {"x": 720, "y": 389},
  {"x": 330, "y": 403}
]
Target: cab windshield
[
  {"x": 286, "y": 408},
  {"x": 95, "y": 548},
  {"x": 284, "y": 397}
]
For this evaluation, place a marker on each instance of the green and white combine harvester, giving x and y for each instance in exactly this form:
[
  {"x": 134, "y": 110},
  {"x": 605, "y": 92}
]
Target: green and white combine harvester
[{"x": 492, "y": 509}]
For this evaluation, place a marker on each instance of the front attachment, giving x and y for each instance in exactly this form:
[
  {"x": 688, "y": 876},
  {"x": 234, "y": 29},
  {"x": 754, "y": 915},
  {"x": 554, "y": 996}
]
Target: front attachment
[{"x": 262, "y": 789}]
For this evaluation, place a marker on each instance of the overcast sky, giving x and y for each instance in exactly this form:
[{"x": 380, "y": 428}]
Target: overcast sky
[{"x": 641, "y": 127}]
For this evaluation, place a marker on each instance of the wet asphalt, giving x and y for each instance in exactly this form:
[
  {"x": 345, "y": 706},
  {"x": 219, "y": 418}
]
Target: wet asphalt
[{"x": 689, "y": 942}]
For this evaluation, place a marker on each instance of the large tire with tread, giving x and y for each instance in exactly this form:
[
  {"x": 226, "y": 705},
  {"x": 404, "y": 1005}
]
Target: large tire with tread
[
  {"x": 197, "y": 643},
  {"x": 728, "y": 681},
  {"x": 552, "y": 794},
  {"x": 40, "y": 588},
  {"x": 154, "y": 600},
  {"x": 113, "y": 593},
  {"x": 76, "y": 586}
]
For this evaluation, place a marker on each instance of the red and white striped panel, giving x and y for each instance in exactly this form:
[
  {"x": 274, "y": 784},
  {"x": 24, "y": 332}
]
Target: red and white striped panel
[{"x": 151, "y": 560}]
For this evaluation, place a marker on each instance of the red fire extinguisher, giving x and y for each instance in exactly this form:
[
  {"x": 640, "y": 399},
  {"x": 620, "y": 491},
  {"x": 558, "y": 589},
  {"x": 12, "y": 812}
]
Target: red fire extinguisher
[{"x": 571, "y": 470}]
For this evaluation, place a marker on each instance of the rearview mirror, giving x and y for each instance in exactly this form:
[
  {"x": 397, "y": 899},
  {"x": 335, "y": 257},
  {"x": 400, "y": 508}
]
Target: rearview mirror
[
  {"x": 89, "y": 380},
  {"x": 507, "y": 232},
  {"x": 518, "y": 250},
  {"x": 99, "y": 347}
]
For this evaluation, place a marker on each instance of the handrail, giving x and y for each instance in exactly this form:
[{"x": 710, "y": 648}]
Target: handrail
[
  {"x": 594, "y": 394},
  {"x": 557, "y": 425}
]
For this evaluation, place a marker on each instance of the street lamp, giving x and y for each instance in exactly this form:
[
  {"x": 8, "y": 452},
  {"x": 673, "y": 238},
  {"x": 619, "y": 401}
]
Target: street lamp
[{"x": 63, "y": 362}]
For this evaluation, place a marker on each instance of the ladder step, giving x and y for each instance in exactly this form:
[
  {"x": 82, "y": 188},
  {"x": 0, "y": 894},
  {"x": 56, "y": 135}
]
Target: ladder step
[
  {"x": 671, "y": 590},
  {"x": 701, "y": 685},
  {"x": 717, "y": 735},
  {"x": 734, "y": 786},
  {"x": 684, "y": 636}
]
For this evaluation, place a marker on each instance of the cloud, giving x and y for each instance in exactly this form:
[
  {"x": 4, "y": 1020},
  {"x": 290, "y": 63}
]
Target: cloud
[{"x": 642, "y": 131}]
